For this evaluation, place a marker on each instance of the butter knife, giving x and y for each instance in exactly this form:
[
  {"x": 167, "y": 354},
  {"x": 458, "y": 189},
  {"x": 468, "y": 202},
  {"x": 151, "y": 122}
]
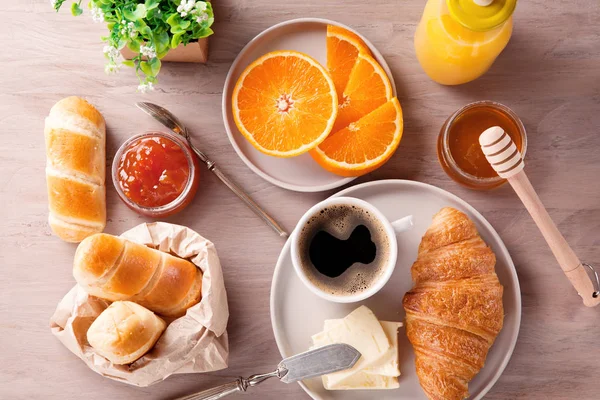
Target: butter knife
[
  {"x": 169, "y": 120},
  {"x": 316, "y": 362}
]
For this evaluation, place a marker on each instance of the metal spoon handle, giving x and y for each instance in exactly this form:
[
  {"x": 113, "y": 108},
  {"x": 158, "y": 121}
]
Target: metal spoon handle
[
  {"x": 248, "y": 200},
  {"x": 237, "y": 190}
]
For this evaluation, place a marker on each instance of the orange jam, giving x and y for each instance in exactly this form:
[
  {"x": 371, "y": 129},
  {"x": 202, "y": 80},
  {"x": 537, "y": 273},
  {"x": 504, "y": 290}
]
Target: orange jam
[
  {"x": 153, "y": 171},
  {"x": 459, "y": 151}
]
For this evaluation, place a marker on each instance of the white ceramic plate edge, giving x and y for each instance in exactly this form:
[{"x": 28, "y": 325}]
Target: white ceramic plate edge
[
  {"x": 229, "y": 82},
  {"x": 472, "y": 210}
]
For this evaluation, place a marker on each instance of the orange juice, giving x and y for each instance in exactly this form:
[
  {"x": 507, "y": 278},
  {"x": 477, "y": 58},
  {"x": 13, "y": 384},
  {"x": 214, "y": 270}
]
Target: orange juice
[{"x": 457, "y": 41}]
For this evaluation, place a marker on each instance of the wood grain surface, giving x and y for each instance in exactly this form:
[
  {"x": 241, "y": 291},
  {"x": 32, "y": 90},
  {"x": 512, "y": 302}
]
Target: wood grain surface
[{"x": 549, "y": 74}]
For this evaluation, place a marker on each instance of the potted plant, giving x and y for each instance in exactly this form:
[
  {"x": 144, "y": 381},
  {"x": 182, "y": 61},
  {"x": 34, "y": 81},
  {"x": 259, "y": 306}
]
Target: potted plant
[{"x": 145, "y": 31}]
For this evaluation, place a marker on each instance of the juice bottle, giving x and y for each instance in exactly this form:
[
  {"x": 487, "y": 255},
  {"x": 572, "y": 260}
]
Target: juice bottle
[{"x": 457, "y": 41}]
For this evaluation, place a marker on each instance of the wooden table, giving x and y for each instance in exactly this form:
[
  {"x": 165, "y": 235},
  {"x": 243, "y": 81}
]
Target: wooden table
[{"x": 549, "y": 74}]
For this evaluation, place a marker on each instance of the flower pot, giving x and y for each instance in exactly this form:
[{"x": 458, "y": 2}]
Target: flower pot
[{"x": 196, "y": 52}]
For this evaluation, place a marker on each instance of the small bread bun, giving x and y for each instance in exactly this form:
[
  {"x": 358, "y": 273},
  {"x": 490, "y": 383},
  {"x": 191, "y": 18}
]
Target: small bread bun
[{"x": 124, "y": 332}]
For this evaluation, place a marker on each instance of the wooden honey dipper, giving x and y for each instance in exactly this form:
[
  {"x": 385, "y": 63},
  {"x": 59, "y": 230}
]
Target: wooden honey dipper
[{"x": 506, "y": 159}]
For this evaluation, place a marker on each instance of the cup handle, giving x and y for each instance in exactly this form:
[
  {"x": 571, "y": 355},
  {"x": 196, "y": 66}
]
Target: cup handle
[{"x": 403, "y": 224}]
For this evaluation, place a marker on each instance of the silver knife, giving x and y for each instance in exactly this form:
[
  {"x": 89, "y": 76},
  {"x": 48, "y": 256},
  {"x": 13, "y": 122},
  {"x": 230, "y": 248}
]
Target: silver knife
[{"x": 316, "y": 362}]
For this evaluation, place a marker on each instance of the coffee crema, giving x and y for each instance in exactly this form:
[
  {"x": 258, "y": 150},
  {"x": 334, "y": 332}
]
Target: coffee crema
[{"x": 343, "y": 249}]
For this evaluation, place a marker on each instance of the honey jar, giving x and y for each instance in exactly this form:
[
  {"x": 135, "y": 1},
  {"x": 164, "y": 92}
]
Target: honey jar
[{"x": 458, "y": 146}]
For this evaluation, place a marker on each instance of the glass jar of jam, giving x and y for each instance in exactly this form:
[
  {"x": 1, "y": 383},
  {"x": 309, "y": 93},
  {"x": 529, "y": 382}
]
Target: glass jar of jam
[
  {"x": 155, "y": 174},
  {"x": 458, "y": 146}
]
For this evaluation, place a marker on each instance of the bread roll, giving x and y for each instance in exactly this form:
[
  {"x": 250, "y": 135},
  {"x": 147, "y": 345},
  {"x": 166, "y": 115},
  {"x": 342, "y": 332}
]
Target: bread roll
[
  {"x": 75, "y": 169},
  {"x": 124, "y": 332},
  {"x": 114, "y": 269}
]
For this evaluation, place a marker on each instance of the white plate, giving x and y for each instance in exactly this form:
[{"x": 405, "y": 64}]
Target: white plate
[
  {"x": 301, "y": 173},
  {"x": 296, "y": 313}
]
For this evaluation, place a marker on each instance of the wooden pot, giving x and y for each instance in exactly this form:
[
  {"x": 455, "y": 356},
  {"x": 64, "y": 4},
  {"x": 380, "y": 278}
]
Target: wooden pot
[{"x": 195, "y": 52}]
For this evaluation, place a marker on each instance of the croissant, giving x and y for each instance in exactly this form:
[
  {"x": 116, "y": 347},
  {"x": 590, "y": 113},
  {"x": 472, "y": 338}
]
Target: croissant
[{"x": 454, "y": 312}]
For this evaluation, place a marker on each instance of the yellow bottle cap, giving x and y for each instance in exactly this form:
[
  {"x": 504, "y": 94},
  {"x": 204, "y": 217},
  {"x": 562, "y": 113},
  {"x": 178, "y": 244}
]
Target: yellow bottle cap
[{"x": 481, "y": 15}]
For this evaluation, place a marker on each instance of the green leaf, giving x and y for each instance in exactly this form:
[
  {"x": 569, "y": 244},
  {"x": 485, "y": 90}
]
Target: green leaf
[
  {"x": 185, "y": 25},
  {"x": 140, "y": 25},
  {"x": 154, "y": 66},
  {"x": 76, "y": 9},
  {"x": 176, "y": 40},
  {"x": 152, "y": 4},
  {"x": 161, "y": 54},
  {"x": 177, "y": 30},
  {"x": 146, "y": 32},
  {"x": 200, "y": 32},
  {"x": 174, "y": 20},
  {"x": 145, "y": 67},
  {"x": 161, "y": 41},
  {"x": 121, "y": 43},
  {"x": 129, "y": 63},
  {"x": 140, "y": 11},
  {"x": 137, "y": 14},
  {"x": 134, "y": 45}
]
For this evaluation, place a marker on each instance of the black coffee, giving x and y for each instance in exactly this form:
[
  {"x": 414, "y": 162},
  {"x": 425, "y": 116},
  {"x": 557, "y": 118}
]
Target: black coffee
[
  {"x": 332, "y": 256},
  {"x": 343, "y": 249}
]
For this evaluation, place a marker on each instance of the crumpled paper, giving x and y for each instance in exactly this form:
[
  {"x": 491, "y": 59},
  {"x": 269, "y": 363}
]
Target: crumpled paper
[{"x": 196, "y": 342}]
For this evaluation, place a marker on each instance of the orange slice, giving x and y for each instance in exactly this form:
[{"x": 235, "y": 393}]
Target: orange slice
[
  {"x": 364, "y": 145},
  {"x": 368, "y": 87},
  {"x": 285, "y": 103},
  {"x": 343, "y": 47}
]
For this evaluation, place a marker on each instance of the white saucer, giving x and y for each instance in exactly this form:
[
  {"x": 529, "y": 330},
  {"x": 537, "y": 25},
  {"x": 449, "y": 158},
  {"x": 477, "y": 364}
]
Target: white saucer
[
  {"x": 297, "y": 313},
  {"x": 309, "y": 36}
]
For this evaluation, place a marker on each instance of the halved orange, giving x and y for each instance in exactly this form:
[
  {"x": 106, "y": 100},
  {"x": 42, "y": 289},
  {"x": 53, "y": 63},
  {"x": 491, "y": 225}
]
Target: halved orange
[
  {"x": 285, "y": 103},
  {"x": 368, "y": 88},
  {"x": 343, "y": 47},
  {"x": 364, "y": 145}
]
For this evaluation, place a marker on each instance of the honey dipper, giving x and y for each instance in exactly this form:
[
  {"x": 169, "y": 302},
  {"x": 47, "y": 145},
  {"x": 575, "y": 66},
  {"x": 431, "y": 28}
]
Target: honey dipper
[{"x": 506, "y": 159}]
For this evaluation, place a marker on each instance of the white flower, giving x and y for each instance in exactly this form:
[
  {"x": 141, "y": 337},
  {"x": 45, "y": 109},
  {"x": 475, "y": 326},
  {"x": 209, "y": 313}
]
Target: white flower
[
  {"x": 111, "y": 52},
  {"x": 128, "y": 29},
  {"x": 52, "y": 3},
  {"x": 202, "y": 17},
  {"x": 112, "y": 68},
  {"x": 148, "y": 51},
  {"x": 97, "y": 14},
  {"x": 199, "y": 12},
  {"x": 146, "y": 87},
  {"x": 131, "y": 28},
  {"x": 185, "y": 7}
]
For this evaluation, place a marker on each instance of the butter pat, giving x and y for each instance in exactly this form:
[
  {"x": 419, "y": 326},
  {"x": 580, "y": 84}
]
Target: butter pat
[
  {"x": 378, "y": 344},
  {"x": 364, "y": 381},
  {"x": 361, "y": 330},
  {"x": 388, "y": 364}
]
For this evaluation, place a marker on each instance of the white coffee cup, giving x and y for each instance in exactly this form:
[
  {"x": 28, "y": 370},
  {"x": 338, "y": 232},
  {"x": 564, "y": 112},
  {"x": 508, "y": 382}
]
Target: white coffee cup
[{"x": 391, "y": 229}]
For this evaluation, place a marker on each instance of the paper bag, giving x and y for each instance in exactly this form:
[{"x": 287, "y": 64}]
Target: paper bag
[{"x": 196, "y": 342}]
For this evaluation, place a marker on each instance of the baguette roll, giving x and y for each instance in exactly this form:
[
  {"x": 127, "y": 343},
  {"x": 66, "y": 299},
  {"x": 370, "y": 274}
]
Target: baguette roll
[
  {"x": 124, "y": 332},
  {"x": 75, "y": 136},
  {"x": 113, "y": 268}
]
